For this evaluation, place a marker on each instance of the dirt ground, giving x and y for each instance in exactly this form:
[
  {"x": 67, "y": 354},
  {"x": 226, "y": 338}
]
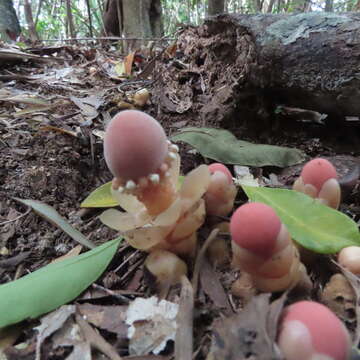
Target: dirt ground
[{"x": 54, "y": 154}]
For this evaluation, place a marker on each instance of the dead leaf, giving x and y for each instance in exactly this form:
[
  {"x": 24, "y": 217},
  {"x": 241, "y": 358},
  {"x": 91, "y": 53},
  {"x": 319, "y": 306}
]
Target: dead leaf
[
  {"x": 73, "y": 252},
  {"x": 152, "y": 324},
  {"x": 244, "y": 336},
  {"x": 211, "y": 285},
  {"x": 128, "y": 62},
  {"x": 110, "y": 318},
  {"x": 51, "y": 323},
  {"x": 70, "y": 335},
  {"x": 96, "y": 340}
]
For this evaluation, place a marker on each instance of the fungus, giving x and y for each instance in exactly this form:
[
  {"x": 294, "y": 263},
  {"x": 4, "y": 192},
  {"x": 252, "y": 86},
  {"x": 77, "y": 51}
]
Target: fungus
[
  {"x": 166, "y": 267},
  {"x": 146, "y": 167},
  {"x": 263, "y": 248},
  {"x": 349, "y": 258},
  {"x": 141, "y": 159},
  {"x": 218, "y": 250},
  {"x": 309, "y": 330},
  {"x": 318, "y": 179},
  {"x": 221, "y": 193}
]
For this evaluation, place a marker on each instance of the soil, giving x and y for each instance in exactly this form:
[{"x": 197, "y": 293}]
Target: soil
[{"x": 62, "y": 164}]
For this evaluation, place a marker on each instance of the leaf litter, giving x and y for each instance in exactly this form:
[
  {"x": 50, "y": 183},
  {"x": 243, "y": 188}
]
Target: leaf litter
[{"x": 64, "y": 164}]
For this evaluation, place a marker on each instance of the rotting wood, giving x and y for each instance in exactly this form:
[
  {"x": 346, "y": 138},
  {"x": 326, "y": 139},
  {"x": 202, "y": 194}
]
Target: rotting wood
[{"x": 238, "y": 67}]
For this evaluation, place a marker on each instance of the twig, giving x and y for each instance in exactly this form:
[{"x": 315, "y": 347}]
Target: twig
[
  {"x": 199, "y": 259},
  {"x": 17, "y": 218},
  {"x": 126, "y": 261},
  {"x": 111, "y": 293},
  {"x": 96, "y": 340},
  {"x": 184, "y": 332}
]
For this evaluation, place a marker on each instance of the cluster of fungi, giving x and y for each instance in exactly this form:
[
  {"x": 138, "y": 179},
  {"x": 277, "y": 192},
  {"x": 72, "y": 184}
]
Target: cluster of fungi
[{"x": 162, "y": 216}]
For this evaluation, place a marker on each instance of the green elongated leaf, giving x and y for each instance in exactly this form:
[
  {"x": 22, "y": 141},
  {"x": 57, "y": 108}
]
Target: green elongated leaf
[
  {"x": 222, "y": 146},
  {"x": 53, "y": 285},
  {"x": 51, "y": 215},
  {"x": 316, "y": 227},
  {"x": 100, "y": 197}
]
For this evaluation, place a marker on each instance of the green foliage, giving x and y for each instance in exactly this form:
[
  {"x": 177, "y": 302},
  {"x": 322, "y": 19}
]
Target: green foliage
[
  {"x": 100, "y": 197},
  {"x": 316, "y": 227},
  {"x": 222, "y": 146},
  {"x": 53, "y": 285}
]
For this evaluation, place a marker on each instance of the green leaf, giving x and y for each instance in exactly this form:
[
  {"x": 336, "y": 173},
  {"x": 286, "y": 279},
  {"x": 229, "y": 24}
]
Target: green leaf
[
  {"x": 51, "y": 215},
  {"x": 53, "y": 285},
  {"x": 224, "y": 147},
  {"x": 315, "y": 226},
  {"x": 100, "y": 197}
]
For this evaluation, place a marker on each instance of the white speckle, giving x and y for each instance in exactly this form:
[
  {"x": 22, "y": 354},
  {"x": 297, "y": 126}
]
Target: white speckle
[
  {"x": 174, "y": 148},
  {"x": 120, "y": 189},
  {"x": 130, "y": 185},
  {"x": 154, "y": 178}
]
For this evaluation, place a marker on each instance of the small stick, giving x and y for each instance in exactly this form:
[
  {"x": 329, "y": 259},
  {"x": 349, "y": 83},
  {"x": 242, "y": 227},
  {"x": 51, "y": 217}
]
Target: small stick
[
  {"x": 199, "y": 259},
  {"x": 184, "y": 332}
]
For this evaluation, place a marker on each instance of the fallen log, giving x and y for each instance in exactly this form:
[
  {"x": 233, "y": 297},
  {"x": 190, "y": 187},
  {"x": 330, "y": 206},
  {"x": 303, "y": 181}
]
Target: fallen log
[{"x": 265, "y": 68}]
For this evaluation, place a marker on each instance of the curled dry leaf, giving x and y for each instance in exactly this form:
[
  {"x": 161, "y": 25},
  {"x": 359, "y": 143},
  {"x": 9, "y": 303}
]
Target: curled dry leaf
[
  {"x": 340, "y": 297},
  {"x": 173, "y": 229}
]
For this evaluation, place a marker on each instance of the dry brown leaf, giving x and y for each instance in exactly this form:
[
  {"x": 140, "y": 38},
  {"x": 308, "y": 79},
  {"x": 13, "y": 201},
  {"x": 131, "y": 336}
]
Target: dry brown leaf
[
  {"x": 128, "y": 61},
  {"x": 245, "y": 336},
  {"x": 211, "y": 285},
  {"x": 110, "y": 318},
  {"x": 73, "y": 252}
]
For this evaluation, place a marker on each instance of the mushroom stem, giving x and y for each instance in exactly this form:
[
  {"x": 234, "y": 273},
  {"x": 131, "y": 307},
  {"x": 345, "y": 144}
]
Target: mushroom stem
[{"x": 263, "y": 248}]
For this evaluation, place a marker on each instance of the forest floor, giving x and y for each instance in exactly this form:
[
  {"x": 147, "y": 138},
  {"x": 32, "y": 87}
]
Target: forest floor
[{"x": 52, "y": 117}]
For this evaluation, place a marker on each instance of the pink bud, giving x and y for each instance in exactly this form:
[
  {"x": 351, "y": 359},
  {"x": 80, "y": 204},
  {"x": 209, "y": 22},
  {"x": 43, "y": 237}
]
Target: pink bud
[
  {"x": 309, "y": 330},
  {"x": 135, "y": 145},
  {"x": 255, "y": 227},
  {"x": 317, "y": 171},
  {"x": 222, "y": 168}
]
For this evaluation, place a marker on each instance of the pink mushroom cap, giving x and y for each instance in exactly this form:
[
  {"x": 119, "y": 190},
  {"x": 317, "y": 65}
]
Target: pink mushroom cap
[
  {"x": 222, "y": 168},
  {"x": 135, "y": 145},
  {"x": 255, "y": 227},
  {"x": 317, "y": 171},
  {"x": 328, "y": 334}
]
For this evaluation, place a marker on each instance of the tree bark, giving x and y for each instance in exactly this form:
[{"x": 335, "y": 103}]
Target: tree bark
[
  {"x": 215, "y": 7},
  {"x": 70, "y": 20},
  {"x": 247, "y": 67},
  {"x": 9, "y": 23},
  {"x": 30, "y": 21},
  {"x": 329, "y": 5},
  {"x": 357, "y": 6},
  {"x": 138, "y": 19}
]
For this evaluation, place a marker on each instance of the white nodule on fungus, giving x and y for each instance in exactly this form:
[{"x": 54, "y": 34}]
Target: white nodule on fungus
[
  {"x": 130, "y": 185},
  {"x": 154, "y": 178}
]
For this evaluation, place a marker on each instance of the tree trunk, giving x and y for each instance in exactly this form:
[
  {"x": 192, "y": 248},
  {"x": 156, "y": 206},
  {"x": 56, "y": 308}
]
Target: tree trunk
[
  {"x": 30, "y": 21},
  {"x": 9, "y": 23},
  {"x": 156, "y": 19},
  {"x": 329, "y": 5},
  {"x": 70, "y": 20},
  {"x": 357, "y": 6},
  {"x": 138, "y": 19},
  {"x": 112, "y": 25},
  {"x": 215, "y": 7},
  {"x": 247, "y": 68},
  {"x": 270, "y": 7},
  {"x": 89, "y": 17}
]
